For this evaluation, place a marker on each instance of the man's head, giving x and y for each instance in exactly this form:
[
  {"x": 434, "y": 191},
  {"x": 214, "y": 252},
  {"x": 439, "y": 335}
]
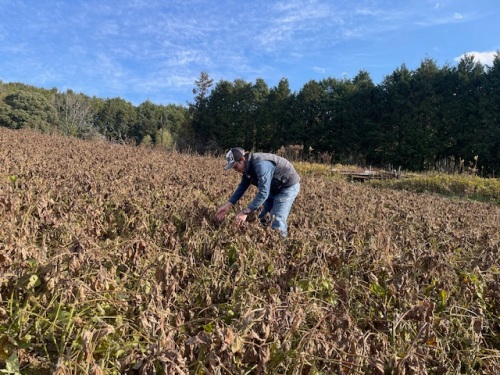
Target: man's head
[{"x": 235, "y": 158}]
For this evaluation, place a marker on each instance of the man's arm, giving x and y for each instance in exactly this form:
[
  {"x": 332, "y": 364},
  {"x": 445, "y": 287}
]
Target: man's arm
[
  {"x": 240, "y": 190},
  {"x": 265, "y": 172}
]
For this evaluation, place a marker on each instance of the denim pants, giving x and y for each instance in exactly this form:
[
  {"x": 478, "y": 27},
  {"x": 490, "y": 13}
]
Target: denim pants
[{"x": 278, "y": 206}]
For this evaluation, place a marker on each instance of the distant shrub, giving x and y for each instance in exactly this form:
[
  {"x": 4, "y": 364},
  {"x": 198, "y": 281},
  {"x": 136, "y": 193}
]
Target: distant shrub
[{"x": 146, "y": 141}]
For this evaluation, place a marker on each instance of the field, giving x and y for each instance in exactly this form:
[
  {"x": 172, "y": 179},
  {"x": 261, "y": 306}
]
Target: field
[{"x": 111, "y": 262}]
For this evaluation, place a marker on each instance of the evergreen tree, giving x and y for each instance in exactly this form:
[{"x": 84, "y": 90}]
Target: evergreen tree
[
  {"x": 363, "y": 111},
  {"x": 259, "y": 116},
  {"x": 199, "y": 130},
  {"x": 277, "y": 122},
  {"x": 310, "y": 116},
  {"x": 468, "y": 125},
  {"x": 422, "y": 130},
  {"x": 337, "y": 132},
  {"x": 489, "y": 140},
  {"x": 392, "y": 134}
]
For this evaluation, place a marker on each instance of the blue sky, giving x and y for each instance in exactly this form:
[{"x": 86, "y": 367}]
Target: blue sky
[{"x": 155, "y": 50}]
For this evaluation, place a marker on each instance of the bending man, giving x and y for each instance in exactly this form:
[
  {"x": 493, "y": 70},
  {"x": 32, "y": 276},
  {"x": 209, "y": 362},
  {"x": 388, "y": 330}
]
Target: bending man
[{"x": 278, "y": 185}]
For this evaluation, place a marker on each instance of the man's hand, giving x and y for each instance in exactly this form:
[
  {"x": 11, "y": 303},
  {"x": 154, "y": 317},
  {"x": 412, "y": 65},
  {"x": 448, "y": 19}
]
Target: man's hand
[
  {"x": 240, "y": 218},
  {"x": 223, "y": 210}
]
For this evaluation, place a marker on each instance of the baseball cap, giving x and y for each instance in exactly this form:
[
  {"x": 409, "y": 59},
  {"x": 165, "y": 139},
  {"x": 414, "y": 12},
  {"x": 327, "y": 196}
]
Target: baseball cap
[{"x": 233, "y": 156}]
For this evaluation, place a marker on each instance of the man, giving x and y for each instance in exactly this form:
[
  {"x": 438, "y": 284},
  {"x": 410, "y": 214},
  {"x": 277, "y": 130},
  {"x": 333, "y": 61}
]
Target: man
[{"x": 276, "y": 179}]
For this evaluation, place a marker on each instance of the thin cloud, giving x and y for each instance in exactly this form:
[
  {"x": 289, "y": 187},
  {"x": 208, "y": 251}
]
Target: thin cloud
[
  {"x": 318, "y": 69},
  {"x": 157, "y": 49},
  {"x": 288, "y": 21}
]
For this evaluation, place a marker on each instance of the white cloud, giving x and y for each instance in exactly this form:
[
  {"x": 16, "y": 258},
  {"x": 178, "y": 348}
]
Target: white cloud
[
  {"x": 443, "y": 20},
  {"x": 318, "y": 69},
  {"x": 485, "y": 58},
  {"x": 186, "y": 57},
  {"x": 288, "y": 24},
  {"x": 156, "y": 48}
]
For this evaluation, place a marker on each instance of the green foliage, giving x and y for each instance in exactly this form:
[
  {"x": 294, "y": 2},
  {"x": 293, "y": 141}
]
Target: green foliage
[
  {"x": 11, "y": 366},
  {"x": 147, "y": 140},
  {"x": 152, "y": 120},
  {"x": 273, "y": 127},
  {"x": 418, "y": 119},
  {"x": 28, "y": 109},
  {"x": 413, "y": 119},
  {"x": 202, "y": 89},
  {"x": 463, "y": 186},
  {"x": 164, "y": 139},
  {"x": 115, "y": 119}
]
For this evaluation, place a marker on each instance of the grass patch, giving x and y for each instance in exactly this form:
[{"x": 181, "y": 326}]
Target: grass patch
[{"x": 462, "y": 186}]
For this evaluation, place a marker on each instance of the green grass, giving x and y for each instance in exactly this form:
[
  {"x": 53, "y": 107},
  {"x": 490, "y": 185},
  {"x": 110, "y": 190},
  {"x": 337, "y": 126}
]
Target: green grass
[{"x": 461, "y": 186}]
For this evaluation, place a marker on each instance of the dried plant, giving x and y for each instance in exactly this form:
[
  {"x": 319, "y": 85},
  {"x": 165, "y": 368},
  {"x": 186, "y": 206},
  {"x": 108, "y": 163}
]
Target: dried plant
[{"x": 111, "y": 262}]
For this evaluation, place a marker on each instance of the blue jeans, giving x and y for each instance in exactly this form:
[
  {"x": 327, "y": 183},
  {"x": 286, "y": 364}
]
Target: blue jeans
[{"x": 278, "y": 206}]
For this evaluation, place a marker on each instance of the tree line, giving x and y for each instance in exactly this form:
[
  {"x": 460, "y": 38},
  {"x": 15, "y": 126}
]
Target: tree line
[
  {"x": 424, "y": 119},
  {"x": 78, "y": 115}
]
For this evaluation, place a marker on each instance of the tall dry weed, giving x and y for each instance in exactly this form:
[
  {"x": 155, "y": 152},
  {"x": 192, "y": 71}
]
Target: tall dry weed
[{"x": 111, "y": 262}]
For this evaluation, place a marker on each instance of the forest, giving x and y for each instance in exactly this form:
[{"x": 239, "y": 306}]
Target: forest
[{"x": 431, "y": 118}]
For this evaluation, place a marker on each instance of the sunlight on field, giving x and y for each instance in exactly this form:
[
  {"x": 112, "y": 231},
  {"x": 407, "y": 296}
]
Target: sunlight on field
[
  {"x": 462, "y": 186},
  {"x": 111, "y": 261}
]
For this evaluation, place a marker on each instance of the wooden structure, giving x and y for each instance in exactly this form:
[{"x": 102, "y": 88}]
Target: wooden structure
[{"x": 369, "y": 174}]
